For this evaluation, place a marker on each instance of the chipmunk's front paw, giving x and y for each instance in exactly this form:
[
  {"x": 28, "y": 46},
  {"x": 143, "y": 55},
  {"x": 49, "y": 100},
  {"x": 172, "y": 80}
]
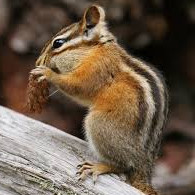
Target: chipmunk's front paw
[{"x": 43, "y": 72}]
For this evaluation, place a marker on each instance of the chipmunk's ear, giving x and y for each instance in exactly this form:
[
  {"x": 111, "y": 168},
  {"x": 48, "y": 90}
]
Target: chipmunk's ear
[{"x": 93, "y": 15}]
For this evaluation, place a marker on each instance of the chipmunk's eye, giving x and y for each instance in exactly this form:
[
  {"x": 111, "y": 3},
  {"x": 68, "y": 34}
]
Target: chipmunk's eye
[{"x": 58, "y": 43}]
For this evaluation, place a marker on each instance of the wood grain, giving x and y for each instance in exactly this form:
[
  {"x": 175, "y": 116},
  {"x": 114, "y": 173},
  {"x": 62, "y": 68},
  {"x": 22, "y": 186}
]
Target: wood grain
[{"x": 36, "y": 158}]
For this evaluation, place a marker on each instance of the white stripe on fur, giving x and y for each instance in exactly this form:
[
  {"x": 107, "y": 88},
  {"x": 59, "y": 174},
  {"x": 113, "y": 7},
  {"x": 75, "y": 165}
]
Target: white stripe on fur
[
  {"x": 147, "y": 96},
  {"x": 161, "y": 88}
]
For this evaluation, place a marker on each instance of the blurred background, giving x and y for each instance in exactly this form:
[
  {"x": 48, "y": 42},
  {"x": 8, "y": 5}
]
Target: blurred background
[{"x": 161, "y": 32}]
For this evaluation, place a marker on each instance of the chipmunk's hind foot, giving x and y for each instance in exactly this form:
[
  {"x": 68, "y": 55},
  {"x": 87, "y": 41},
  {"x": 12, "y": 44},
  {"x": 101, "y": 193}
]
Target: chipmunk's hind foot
[{"x": 94, "y": 169}]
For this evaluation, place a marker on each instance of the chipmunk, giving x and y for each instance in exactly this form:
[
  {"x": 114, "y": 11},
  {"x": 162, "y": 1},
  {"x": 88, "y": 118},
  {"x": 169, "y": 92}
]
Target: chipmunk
[{"x": 127, "y": 99}]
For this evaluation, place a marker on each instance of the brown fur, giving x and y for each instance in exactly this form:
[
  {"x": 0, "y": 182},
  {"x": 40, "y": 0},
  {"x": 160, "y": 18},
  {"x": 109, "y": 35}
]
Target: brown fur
[
  {"x": 138, "y": 182},
  {"x": 96, "y": 72}
]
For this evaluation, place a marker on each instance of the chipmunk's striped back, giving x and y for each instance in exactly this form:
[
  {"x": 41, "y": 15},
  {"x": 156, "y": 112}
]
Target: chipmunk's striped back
[{"x": 156, "y": 100}]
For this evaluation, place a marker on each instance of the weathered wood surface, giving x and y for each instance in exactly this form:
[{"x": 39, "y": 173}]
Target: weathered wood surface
[{"x": 36, "y": 158}]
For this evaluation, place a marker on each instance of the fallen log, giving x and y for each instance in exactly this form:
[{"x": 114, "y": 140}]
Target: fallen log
[{"x": 37, "y": 159}]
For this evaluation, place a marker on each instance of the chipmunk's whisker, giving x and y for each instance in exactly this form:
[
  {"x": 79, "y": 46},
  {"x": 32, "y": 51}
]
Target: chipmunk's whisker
[{"x": 54, "y": 92}]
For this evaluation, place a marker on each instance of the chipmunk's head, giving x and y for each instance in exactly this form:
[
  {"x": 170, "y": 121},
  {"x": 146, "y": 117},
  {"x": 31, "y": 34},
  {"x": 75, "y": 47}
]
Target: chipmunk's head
[{"x": 76, "y": 41}]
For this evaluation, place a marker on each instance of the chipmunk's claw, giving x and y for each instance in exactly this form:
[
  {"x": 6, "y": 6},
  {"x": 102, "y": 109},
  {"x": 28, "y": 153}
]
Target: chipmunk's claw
[
  {"x": 43, "y": 72},
  {"x": 84, "y": 174},
  {"x": 41, "y": 78},
  {"x": 39, "y": 70},
  {"x": 84, "y": 163}
]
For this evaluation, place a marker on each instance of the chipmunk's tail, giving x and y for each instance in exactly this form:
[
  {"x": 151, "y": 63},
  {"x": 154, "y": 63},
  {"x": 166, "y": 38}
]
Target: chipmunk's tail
[
  {"x": 145, "y": 188},
  {"x": 141, "y": 185}
]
